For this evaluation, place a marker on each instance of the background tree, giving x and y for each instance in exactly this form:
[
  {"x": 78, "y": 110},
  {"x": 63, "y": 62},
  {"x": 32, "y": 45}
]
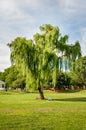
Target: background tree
[
  {"x": 80, "y": 70},
  {"x": 10, "y": 74},
  {"x": 2, "y": 76},
  {"x": 12, "y": 78}
]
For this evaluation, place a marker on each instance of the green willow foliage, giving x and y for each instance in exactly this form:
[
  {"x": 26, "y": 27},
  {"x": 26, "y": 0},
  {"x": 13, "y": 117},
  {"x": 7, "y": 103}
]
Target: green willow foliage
[{"x": 40, "y": 59}]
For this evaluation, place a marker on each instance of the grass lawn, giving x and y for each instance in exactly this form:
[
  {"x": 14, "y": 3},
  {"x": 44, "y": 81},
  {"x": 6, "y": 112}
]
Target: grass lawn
[{"x": 23, "y": 111}]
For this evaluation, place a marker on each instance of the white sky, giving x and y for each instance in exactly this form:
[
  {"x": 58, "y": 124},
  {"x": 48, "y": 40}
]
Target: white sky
[{"x": 22, "y": 18}]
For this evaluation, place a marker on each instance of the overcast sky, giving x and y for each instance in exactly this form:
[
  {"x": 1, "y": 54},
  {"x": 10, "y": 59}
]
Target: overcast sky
[{"x": 22, "y": 18}]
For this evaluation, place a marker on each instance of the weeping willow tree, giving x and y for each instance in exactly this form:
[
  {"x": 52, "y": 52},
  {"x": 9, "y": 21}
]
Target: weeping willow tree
[{"x": 40, "y": 59}]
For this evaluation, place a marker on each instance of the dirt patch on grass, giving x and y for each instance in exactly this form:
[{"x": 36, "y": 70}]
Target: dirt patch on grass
[{"x": 43, "y": 109}]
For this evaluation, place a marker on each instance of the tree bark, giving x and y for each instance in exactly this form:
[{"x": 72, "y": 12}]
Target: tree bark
[{"x": 40, "y": 91}]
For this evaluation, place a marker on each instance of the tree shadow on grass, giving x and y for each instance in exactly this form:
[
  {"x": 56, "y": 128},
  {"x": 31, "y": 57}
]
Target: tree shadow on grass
[
  {"x": 78, "y": 99},
  {"x": 69, "y": 91}
]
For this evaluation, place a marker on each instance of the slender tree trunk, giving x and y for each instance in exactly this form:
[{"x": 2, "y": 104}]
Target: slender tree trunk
[{"x": 40, "y": 91}]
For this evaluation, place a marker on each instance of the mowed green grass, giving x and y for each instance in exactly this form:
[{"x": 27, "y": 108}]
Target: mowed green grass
[{"x": 24, "y": 111}]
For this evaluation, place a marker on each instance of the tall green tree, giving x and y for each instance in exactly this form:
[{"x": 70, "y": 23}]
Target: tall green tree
[{"x": 41, "y": 58}]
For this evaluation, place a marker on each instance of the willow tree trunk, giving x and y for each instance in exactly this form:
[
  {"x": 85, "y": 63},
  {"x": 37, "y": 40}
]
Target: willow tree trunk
[{"x": 40, "y": 91}]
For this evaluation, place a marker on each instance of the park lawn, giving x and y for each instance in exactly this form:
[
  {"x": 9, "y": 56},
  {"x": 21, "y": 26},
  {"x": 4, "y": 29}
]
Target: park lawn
[{"x": 24, "y": 111}]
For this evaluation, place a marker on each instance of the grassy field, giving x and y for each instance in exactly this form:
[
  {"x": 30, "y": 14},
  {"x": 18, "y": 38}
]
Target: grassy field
[{"x": 24, "y": 111}]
